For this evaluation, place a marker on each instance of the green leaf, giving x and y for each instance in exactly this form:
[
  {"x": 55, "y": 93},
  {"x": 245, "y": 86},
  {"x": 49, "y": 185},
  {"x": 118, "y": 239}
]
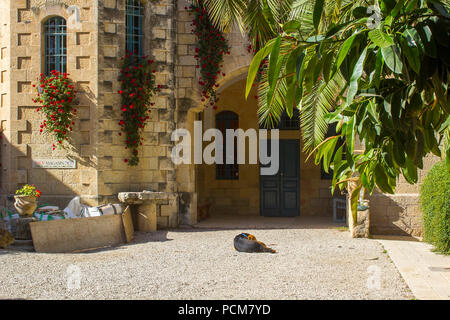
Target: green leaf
[
  {"x": 392, "y": 58},
  {"x": 354, "y": 203},
  {"x": 431, "y": 143},
  {"x": 328, "y": 153},
  {"x": 397, "y": 8},
  {"x": 343, "y": 52},
  {"x": 350, "y": 131},
  {"x": 275, "y": 82},
  {"x": 380, "y": 38},
  {"x": 379, "y": 63},
  {"x": 399, "y": 153},
  {"x": 412, "y": 53},
  {"x": 360, "y": 12},
  {"x": 413, "y": 36},
  {"x": 426, "y": 36},
  {"x": 273, "y": 60},
  {"x": 254, "y": 66},
  {"x": 382, "y": 180},
  {"x": 356, "y": 75},
  {"x": 317, "y": 14},
  {"x": 291, "y": 26},
  {"x": 410, "y": 171}
]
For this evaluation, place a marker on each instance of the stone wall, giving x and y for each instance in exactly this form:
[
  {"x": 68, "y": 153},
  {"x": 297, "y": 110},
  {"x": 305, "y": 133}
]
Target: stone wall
[
  {"x": 400, "y": 214},
  {"x": 155, "y": 171},
  {"x": 23, "y": 52},
  {"x": 95, "y": 47}
]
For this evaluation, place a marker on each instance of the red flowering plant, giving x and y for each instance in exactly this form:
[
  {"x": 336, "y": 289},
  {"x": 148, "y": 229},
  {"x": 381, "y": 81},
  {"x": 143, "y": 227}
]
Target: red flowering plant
[
  {"x": 29, "y": 190},
  {"x": 56, "y": 95},
  {"x": 137, "y": 89},
  {"x": 209, "y": 53}
]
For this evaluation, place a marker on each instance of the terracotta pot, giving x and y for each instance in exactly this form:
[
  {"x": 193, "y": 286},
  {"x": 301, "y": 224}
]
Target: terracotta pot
[{"x": 25, "y": 205}]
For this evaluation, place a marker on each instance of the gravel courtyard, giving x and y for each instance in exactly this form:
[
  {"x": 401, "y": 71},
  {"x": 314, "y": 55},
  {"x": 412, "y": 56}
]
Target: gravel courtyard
[{"x": 311, "y": 263}]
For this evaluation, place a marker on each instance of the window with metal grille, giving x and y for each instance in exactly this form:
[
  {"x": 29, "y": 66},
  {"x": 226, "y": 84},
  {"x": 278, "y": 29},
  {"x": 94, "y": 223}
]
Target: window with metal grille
[
  {"x": 227, "y": 120},
  {"x": 135, "y": 27},
  {"x": 55, "y": 33},
  {"x": 287, "y": 123}
]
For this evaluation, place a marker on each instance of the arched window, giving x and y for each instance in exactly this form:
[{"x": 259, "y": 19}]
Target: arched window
[
  {"x": 55, "y": 33},
  {"x": 227, "y": 120},
  {"x": 135, "y": 27}
]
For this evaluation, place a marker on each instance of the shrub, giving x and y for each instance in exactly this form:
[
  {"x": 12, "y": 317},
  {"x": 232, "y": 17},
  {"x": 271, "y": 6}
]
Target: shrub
[{"x": 435, "y": 203}]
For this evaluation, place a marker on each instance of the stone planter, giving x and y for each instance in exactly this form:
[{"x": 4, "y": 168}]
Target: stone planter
[{"x": 25, "y": 205}]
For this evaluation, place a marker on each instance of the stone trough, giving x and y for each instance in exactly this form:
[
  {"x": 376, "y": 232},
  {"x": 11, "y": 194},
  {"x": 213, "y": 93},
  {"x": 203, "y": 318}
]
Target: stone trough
[{"x": 152, "y": 210}]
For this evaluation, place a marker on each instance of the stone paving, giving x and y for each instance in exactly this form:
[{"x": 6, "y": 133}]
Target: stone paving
[{"x": 426, "y": 273}]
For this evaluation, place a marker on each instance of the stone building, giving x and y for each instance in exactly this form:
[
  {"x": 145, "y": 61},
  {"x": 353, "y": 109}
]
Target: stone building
[{"x": 95, "y": 39}]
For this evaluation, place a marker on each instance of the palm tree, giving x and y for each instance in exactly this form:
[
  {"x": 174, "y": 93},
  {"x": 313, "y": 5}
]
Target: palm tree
[
  {"x": 379, "y": 69},
  {"x": 262, "y": 21}
]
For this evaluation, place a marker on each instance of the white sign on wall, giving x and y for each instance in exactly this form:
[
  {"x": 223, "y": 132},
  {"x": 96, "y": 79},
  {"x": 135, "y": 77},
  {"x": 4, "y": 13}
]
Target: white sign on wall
[{"x": 54, "y": 163}]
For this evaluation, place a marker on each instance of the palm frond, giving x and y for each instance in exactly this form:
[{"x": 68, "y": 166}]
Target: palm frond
[
  {"x": 269, "y": 116},
  {"x": 226, "y": 13},
  {"x": 315, "y": 106}
]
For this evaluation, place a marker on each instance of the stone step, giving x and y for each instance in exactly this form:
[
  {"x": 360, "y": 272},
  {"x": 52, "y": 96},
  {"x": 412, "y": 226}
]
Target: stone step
[{"x": 22, "y": 245}]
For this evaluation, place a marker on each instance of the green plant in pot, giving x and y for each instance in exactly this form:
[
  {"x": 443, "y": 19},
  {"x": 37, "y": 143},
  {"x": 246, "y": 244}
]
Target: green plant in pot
[{"x": 26, "y": 199}]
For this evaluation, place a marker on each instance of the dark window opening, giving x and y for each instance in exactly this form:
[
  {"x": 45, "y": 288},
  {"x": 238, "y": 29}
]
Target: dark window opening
[
  {"x": 135, "y": 27},
  {"x": 287, "y": 123},
  {"x": 227, "y": 120}
]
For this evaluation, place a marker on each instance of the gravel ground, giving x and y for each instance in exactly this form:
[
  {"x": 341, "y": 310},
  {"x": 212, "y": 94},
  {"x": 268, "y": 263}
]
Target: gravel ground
[{"x": 202, "y": 264}]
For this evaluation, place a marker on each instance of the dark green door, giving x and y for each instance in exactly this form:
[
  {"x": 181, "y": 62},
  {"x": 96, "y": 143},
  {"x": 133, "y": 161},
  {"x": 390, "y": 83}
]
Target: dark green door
[{"x": 280, "y": 193}]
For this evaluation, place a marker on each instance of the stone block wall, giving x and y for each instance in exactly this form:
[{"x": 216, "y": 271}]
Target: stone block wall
[
  {"x": 23, "y": 61},
  {"x": 155, "y": 171},
  {"x": 95, "y": 47},
  {"x": 400, "y": 213}
]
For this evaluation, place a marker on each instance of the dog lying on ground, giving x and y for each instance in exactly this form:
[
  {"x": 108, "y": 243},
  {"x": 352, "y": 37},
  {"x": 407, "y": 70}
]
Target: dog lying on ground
[{"x": 246, "y": 242}]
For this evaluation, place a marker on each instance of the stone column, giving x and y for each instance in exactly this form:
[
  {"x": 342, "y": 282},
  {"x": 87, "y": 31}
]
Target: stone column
[{"x": 360, "y": 229}]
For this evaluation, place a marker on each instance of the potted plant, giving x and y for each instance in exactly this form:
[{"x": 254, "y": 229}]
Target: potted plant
[{"x": 26, "y": 199}]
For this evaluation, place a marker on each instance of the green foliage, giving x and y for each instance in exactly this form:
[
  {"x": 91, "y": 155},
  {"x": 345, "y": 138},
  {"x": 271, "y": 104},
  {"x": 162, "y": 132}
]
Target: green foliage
[
  {"x": 55, "y": 96},
  {"x": 383, "y": 78},
  {"x": 210, "y": 49},
  {"x": 384, "y": 83},
  {"x": 435, "y": 203},
  {"x": 29, "y": 190},
  {"x": 137, "y": 89}
]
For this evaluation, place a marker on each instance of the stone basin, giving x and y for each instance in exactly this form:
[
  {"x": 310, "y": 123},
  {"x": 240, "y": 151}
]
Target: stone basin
[{"x": 152, "y": 210}]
